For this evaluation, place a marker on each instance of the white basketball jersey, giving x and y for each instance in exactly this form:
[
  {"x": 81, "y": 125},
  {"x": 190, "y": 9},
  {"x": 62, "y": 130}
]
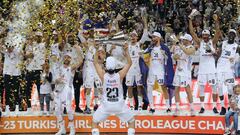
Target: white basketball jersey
[
  {"x": 112, "y": 89},
  {"x": 89, "y": 58},
  {"x": 157, "y": 61},
  {"x": 134, "y": 51},
  {"x": 67, "y": 75},
  {"x": 207, "y": 61},
  {"x": 90, "y": 54},
  {"x": 228, "y": 51},
  {"x": 184, "y": 64}
]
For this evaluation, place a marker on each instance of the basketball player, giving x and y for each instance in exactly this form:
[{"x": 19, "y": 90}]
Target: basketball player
[
  {"x": 64, "y": 91},
  {"x": 225, "y": 67},
  {"x": 156, "y": 71},
  {"x": 112, "y": 97},
  {"x": 90, "y": 76},
  {"x": 134, "y": 73},
  {"x": 207, "y": 69},
  {"x": 183, "y": 78}
]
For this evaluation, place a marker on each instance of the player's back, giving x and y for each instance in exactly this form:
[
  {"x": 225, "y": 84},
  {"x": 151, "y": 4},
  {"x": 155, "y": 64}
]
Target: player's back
[{"x": 112, "y": 92}]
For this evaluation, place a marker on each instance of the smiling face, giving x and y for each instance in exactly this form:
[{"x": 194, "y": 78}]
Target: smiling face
[
  {"x": 155, "y": 40},
  {"x": 134, "y": 38},
  {"x": 39, "y": 39},
  {"x": 231, "y": 37},
  {"x": 71, "y": 39},
  {"x": 67, "y": 60},
  {"x": 205, "y": 37},
  {"x": 186, "y": 42}
]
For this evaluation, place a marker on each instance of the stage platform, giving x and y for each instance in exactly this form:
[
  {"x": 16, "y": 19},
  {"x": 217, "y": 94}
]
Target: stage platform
[{"x": 159, "y": 122}]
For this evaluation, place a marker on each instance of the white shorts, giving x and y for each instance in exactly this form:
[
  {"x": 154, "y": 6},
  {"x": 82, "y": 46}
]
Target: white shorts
[
  {"x": 226, "y": 78},
  {"x": 203, "y": 79},
  {"x": 121, "y": 111},
  {"x": 181, "y": 81},
  {"x": 64, "y": 96},
  {"x": 152, "y": 78},
  {"x": 131, "y": 78},
  {"x": 90, "y": 79}
]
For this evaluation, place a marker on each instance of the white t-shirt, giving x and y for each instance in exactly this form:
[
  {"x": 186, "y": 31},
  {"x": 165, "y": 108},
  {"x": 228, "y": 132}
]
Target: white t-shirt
[
  {"x": 228, "y": 51},
  {"x": 184, "y": 64},
  {"x": 12, "y": 62},
  {"x": 207, "y": 61},
  {"x": 38, "y": 60}
]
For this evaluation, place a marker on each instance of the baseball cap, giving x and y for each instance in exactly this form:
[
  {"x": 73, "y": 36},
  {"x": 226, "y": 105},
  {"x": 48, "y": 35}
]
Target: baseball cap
[
  {"x": 157, "y": 34},
  {"x": 207, "y": 32},
  {"x": 110, "y": 63},
  {"x": 187, "y": 37}
]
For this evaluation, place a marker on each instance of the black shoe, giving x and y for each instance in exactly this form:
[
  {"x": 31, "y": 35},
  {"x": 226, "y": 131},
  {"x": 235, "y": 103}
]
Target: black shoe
[
  {"x": 152, "y": 111},
  {"x": 65, "y": 110},
  {"x": 168, "y": 110},
  {"x": 87, "y": 111},
  {"x": 202, "y": 110},
  {"x": 223, "y": 111},
  {"x": 78, "y": 110},
  {"x": 215, "y": 110},
  {"x": 95, "y": 107},
  {"x": 238, "y": 132}
]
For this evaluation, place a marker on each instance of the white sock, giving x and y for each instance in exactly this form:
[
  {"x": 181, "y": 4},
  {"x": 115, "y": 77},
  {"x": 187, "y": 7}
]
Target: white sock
[
  {"x": 191, "y": 106},
  {"x": 131, "y": 131},
  {"x": 88, "y": 100},
  {"x": 202, "y": 104},
  {"x": 167, "y": 103},
  {"x": 140, "y": 100},
  {"x": 71, "y": 124},
  {"x": 95, "y": 100},
  {"x": 130, "y": 101},
  {"x": 222, "y": 103},
  {"x": 177, "y": 105},
  {"x": 214, "y": 104},
  {"x": 150, "y": 96},
  {"x": 95, "y": 131}
]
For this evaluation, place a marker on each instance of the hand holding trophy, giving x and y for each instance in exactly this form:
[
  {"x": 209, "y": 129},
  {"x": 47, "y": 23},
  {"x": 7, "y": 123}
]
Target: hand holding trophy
[{"x": 194, "y": 13}]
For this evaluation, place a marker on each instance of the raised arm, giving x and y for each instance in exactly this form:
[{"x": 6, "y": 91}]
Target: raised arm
[
  {"x": 188, "y": 51},
  {"x": 194, "y": 35},
  {"x": 79, "y": 58},
  {"x": 98, "y": 67},
  {"x": 217, "y": 29},
  {"x": 125, "y": 69}
]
